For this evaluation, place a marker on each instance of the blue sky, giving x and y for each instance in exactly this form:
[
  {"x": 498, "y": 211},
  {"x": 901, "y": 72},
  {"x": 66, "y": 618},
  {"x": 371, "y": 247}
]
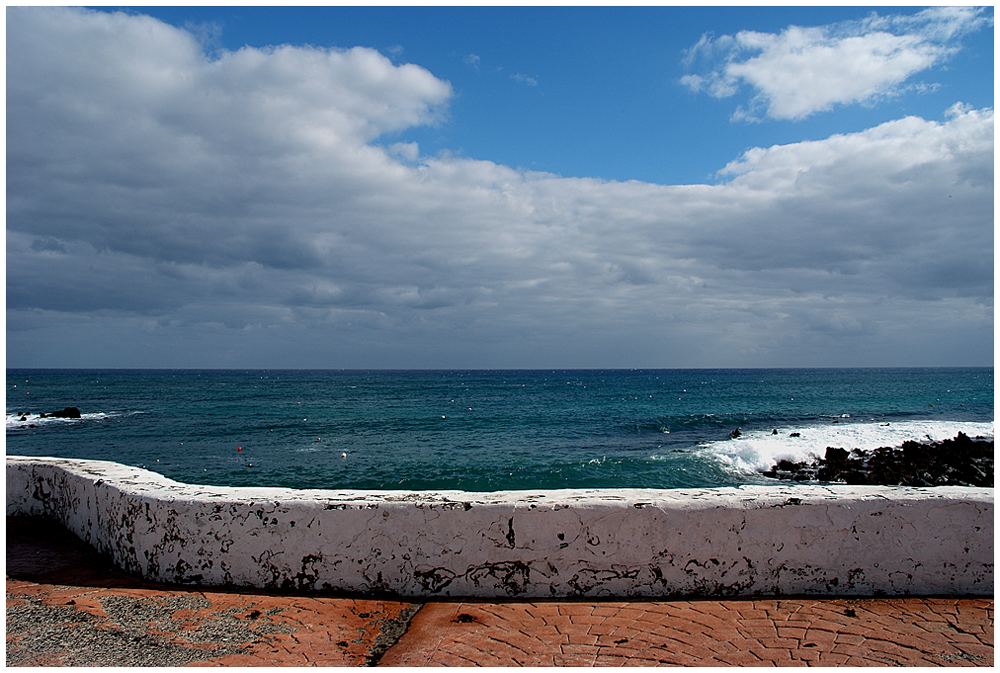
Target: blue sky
[
  {"x": 604, "y": 98},
  {"x": 463, "y": 188}
]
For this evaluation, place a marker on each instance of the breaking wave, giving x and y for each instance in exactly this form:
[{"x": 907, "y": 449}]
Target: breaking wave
[
  {"x": 14, "y": 421},
  {"x": 758, "y": 450}
]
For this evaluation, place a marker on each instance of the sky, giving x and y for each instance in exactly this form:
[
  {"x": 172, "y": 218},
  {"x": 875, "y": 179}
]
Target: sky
[{"x": 499, "y": 187}]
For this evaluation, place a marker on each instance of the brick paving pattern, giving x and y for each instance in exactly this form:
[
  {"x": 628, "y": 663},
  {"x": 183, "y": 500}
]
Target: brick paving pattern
[
  {"x": 65, "y": 606},
  {"x": 785, "y": 632}
]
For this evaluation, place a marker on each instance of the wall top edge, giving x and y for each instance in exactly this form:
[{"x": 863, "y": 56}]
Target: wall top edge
[{"x": 145, "y": 483}]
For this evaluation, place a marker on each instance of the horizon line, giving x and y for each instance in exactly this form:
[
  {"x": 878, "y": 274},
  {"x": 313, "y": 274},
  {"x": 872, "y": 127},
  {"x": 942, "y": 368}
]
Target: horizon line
[{"x": 493, "y": 369}]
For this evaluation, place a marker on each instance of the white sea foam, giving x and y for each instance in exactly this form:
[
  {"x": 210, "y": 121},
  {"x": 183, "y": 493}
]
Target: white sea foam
[
  {"x": 759, "y": 450},
  {"x": 14, "y": 421}
]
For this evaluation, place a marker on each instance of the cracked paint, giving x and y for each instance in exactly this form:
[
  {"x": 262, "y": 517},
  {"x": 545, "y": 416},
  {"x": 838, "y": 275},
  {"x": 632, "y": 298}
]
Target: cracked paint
[{"x": 746, "y": 541}]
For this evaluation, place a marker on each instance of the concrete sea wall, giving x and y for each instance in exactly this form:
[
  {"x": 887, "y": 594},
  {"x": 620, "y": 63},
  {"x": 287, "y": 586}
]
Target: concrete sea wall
[{"x": 753, "y": 540}]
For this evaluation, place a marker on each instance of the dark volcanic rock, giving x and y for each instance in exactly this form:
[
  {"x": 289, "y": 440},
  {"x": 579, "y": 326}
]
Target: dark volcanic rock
[
  {"x": 953, "y": 462},
  {"x": 67, "y": 412}
]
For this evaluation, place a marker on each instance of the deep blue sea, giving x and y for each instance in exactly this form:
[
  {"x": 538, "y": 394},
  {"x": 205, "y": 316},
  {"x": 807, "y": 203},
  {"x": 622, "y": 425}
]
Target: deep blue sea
[{"x": 484, "y": 430}]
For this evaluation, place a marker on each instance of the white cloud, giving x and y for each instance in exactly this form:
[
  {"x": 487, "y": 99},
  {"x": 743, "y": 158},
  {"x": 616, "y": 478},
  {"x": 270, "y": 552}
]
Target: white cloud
[
  {"x": 239, "y": 211},
  {"x": 804, "y": 70},
  {"x": 527, "y": 80}
]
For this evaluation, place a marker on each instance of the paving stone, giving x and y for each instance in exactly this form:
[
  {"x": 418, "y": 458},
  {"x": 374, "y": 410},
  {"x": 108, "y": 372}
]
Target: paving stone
[
  {"x": 791, "y": 632},
  {"x": 814, "y": 636},
  {"x": 575, "y": 610},
  {"x": 605, "y": 611},
  {"x": 780, "y": 643},
  {"x": 573, "y": 660},
  {"x": 757, "y": 632},
  {"x": 742, "y": 659}
]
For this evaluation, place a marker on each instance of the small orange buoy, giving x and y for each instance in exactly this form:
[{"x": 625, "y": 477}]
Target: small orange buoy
[{"x": 239, "y": 449}]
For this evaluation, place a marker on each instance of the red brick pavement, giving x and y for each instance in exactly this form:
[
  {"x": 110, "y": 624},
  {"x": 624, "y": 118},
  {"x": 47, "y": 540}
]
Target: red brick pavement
[
  {"x": 65, "y": 606},
  {"x": 773, "y": 632}
]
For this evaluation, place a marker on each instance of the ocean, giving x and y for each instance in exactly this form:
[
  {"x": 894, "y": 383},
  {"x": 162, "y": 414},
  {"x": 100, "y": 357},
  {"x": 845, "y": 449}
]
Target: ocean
[{"x": 484, "y": 430}]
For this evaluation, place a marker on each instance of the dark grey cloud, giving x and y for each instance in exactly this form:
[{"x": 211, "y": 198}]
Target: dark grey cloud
[{"x": 236, "y": 209}]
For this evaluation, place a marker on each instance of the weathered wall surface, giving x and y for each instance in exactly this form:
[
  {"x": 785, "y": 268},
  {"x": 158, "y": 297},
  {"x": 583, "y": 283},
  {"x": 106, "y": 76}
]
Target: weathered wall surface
[{"x": 632, "y": 542}]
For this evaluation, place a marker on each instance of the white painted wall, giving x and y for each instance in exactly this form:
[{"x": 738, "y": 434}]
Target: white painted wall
[{"x": 744, "y": 541}]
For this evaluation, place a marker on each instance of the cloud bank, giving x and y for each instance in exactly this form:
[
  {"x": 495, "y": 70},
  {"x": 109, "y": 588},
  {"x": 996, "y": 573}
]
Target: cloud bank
[
  {"x": 167, "y": 208},
  {"x": 801, "y": 71}
]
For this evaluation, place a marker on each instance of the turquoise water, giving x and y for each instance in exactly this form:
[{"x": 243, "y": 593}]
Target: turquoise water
[{"x": 484, "y": 430}]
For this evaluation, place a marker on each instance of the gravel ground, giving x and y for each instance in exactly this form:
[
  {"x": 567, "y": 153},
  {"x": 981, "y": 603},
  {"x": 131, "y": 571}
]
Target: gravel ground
[
  {"x": 230, "y": 626},
  {"x": 82, "y": 639},
  {"x": 132, "y": 633}
]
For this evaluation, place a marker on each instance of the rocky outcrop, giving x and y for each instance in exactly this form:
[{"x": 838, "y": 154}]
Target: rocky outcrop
[
  {"x": 65, "y": 412},
  {"x": 953, "y": 462}
]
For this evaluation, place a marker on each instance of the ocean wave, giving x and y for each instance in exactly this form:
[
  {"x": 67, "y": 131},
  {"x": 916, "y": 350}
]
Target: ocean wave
[
  {"x": 14, "y": 421},
  {"x": 758, "y": 450}
]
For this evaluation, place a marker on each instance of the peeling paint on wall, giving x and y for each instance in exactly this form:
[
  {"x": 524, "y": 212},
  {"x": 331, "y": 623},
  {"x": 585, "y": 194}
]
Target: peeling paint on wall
[{"x": 747, "y": 541}]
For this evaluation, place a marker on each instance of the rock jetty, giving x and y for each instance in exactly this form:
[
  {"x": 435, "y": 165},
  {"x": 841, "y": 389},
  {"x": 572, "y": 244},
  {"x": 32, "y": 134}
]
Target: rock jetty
[{"x": 961, "y": 461}]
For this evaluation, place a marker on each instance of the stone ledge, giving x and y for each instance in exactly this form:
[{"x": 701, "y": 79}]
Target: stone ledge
[{"x": 747, "y": 541}]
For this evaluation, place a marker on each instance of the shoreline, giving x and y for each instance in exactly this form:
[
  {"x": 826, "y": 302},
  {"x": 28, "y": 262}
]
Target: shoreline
[{"x": 746, "y": 541}]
